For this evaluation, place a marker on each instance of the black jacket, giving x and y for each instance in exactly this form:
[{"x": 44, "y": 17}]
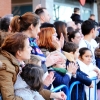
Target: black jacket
[{"x": 76, "y": 18}]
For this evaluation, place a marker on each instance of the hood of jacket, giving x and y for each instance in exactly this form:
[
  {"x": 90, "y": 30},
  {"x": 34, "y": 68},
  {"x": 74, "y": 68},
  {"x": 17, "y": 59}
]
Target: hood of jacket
[
  {"x": 8, "y": 62},
  {"x": 69, "y": 56},
  {"x": 20, "y": 83}
]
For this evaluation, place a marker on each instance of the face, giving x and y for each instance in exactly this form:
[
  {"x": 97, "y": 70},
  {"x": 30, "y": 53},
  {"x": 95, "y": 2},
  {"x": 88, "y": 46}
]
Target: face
[
  {"x": 87, "y": 57},
  {"x": 46, "y": 15},
  {"x": 94, "y": 33},
  {"x": 77, "y": 38},
  {"x": 62, "y": 64},
  {"x": 35, "y": 31},
  {"x": 25, "y": 53},
  {"x": 76, "y": 54},
  {"x": 92, "y": 17},
  {"x": 54, "y": 36}
]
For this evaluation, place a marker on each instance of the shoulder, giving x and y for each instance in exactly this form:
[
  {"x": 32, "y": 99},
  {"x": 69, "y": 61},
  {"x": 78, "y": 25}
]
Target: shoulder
[
  {"x": 82, "y": 43},
  {"x": 26, "y": 94},
  {"x": 6, "y": 64},
  {"x": 94, "y": 43}
]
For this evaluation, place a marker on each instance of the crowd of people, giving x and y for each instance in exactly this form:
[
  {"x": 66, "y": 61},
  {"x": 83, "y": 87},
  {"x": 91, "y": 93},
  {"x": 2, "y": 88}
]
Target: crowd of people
[{"x": 37, "y": 56}]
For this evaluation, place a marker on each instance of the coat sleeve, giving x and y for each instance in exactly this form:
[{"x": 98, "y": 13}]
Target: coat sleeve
[
  {"x": 83, "y": 78},
  {"x": 45, "y": 94},
  {"x": 6, "y": 86},
  {"x": 61, "y": 79}
]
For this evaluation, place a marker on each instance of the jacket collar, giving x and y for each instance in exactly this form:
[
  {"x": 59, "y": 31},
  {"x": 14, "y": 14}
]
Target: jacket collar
[
  {"x": 69, "y": 56},
  {"x": 10, "y": 57}
]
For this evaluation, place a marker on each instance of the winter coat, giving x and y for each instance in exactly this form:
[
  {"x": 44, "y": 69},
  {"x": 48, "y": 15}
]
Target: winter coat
[
  {"x": 24, "y": 91},
  {"x": 76, "y": 18},
  {"x": 8, "y": 73}
]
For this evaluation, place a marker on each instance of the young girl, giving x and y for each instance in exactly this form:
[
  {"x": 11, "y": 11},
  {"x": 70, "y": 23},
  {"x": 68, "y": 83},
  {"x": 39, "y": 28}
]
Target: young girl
[
  {"x": 85, "y": 59},
  {"x": 31, "y": 83}
]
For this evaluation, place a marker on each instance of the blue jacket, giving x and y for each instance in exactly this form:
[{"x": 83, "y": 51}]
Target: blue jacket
[{"x": 60, "y": 78}]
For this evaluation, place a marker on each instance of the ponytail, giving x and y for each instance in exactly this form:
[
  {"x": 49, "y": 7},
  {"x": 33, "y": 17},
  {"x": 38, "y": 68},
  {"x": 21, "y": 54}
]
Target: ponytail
[{"x": 15, "y": 24}]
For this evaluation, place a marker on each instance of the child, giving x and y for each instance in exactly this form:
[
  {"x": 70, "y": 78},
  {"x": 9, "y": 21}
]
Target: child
[
  {"x": 76, "y": 16},
  {"x": 29, "y": 84},
  {"x": 71, "y": 52},
  {"x": 87, "y": 67},
  {"x": 63, "y": 76}
]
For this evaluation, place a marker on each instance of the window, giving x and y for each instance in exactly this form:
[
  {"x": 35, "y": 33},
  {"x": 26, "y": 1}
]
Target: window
[{"x": 21, "y": 9}]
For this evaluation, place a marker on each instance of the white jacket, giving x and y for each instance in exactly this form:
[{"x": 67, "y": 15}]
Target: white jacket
[{"x": 23, "y": 90}]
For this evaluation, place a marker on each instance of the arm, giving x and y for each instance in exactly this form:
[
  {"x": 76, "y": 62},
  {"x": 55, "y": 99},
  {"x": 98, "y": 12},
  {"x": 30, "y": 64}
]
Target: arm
[
  {"x": 83, "y": 78},
  {"x": 61, "y": 79},
  {"x": 45, "y": 93},
  {"x": 48, "y": 94},
  {"x": 6, "y": 86}
]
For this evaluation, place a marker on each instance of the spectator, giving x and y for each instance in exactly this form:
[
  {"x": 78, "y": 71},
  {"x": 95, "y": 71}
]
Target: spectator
[
  {"x": 89, "y": 30},
  {"x": 92, "y": 17},
  {"x": 14, "y": 50},
  {"x": 85, "y": 59},
  {"x": 43, "y": 14},
  {"x": 76, "y": 16}
]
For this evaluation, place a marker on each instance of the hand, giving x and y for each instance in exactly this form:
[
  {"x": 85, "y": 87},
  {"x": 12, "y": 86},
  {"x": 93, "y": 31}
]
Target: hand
[
  {"x": 49, "y": 79},
  {"x": 53, "y": 59},
  {"x": 72, "y": 68},
  {"x": 56, "y": 43},
  {"x": 58, "y": 96},
  {"x": 91, "y": 86},
  {"x": 62, "y": 40}
]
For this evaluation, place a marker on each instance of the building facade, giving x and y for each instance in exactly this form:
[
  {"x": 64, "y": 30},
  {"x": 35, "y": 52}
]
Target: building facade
[{"x": 58, "y": 9}]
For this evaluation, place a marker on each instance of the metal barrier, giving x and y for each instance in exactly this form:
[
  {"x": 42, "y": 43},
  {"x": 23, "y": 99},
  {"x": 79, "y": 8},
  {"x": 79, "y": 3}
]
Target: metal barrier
[
  {"x": 66, "y": 90},
  {"x": 76, "y": 83}
]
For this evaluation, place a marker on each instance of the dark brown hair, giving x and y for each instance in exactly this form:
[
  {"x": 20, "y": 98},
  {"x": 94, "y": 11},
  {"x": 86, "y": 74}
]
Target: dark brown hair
[
  {"x": 39, "y": 11},
  {"x": 76, "y": 9},
  {"x": 72, "y": 35},
  {"x": 22, "y": 23},
  {"x": 61, "y": 27},
  {"x": 32, "y": 75},
  {"x": 14, "y": 42},
  {"x": 70, "y": 47}
]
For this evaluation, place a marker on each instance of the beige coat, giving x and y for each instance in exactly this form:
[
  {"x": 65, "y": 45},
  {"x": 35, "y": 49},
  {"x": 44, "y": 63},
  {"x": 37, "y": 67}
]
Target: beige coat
[{"x": 8, "y": 73}]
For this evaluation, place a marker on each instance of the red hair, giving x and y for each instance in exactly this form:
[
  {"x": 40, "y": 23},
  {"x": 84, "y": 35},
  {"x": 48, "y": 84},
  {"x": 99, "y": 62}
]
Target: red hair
[{"x": 45, "y": 38}]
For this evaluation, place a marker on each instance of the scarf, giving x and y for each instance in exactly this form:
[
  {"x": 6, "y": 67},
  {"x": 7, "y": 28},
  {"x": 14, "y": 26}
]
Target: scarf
[{"x": 36, "y": 50}]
